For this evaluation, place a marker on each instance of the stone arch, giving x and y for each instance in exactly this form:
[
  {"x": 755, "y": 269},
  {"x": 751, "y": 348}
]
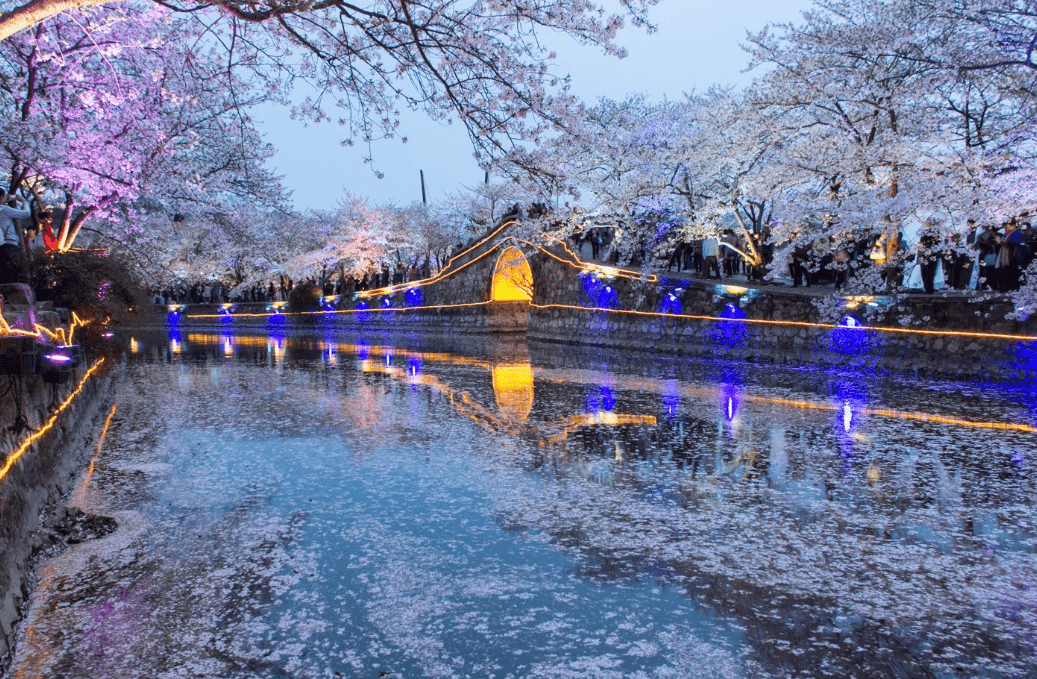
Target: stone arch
[{"x": 512, "y": 277}]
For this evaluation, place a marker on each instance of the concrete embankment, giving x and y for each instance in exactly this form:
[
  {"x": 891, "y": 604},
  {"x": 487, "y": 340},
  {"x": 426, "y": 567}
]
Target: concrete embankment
[{"x": 38, "y": 467}]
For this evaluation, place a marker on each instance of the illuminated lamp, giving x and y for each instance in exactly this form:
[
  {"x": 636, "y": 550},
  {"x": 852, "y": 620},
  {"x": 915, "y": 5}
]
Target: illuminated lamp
[
  {"x": 598, "y": 294},
  {"x": 361, "y": 308},
  {"x": 849, "y": 337},
  {"x": 670, "y": 304},
  {"x": 73, "y": 351},
  {"x": 56, "y": 367},
  {"x": 386, "y": 303},
  {"x": 17, "y": 355},
  {"x": 414, "y": 366},
  {"x": 108, "y": 335},
  {"x": 414, "y": 297},
  {"x": 730, "y": 330}
]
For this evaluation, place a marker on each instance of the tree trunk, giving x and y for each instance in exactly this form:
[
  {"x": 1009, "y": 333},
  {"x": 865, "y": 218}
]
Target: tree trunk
[{"x": 35, "y": 11}]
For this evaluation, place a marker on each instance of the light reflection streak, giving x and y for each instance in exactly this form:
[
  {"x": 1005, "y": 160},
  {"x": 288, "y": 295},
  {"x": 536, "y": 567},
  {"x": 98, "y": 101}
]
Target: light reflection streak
[
  {"x": 647, "y": 385},
  {"x": 79, "y": 499}
]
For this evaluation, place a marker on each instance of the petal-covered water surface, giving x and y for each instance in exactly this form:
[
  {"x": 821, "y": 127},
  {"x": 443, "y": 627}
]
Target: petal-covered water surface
[{"x": 339, "y": 508}]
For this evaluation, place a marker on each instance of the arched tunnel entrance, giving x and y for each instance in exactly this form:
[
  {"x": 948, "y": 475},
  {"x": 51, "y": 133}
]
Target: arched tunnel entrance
[{"x": 511, "y": 291}]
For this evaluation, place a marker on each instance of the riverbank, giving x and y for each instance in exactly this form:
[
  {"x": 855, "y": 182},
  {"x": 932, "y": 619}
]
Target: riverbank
[{"x": 40, "y": 467}]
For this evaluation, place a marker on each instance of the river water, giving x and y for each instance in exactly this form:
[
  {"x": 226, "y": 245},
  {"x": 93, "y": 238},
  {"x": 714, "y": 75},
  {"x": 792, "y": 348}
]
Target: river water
[{"x": 337, "y": 508}]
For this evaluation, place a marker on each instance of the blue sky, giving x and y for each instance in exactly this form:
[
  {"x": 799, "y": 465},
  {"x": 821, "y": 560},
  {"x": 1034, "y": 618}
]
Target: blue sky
[{"x": 697, "y": 45}]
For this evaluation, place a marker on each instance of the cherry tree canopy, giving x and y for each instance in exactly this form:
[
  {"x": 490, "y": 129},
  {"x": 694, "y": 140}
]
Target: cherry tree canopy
[
  {"x": 114, "y": 109},
  {"x": 479, "y": 61}
]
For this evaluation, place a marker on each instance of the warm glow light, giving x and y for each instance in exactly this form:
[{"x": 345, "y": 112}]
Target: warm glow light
[
  {"x": 512, "y": 278},
  {"x": 855, "y": 301},
  {"x": 81, "y": 493},
  {"x": 17, "y": 454},
  {"x": 513, "y": 390},
  {"x": 134, "y": 345},
  {"x": 599, "y": 418}
]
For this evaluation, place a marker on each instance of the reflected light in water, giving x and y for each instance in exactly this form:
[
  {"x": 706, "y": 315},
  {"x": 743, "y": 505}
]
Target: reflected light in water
[
  {"x": 847, "y": 416},
  {"x": 134, "y": 345},
  {"x": 513, "y": 390}
]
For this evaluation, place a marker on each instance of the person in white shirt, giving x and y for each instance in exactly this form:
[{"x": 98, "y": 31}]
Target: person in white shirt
[
  {"x": 710, "y": 252},
  {"x": 11, "y": 248}
]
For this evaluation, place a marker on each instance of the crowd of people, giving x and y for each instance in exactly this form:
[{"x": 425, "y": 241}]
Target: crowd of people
[
  {"x": 986, "y": 258},
  {"x": 277, "y": 290}
]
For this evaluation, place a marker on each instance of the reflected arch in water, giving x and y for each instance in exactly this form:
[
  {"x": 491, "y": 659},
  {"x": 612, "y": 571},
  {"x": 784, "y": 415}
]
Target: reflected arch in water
[
  {"x": 512, "y": 277},
  {"x": 513, "y": 390}
]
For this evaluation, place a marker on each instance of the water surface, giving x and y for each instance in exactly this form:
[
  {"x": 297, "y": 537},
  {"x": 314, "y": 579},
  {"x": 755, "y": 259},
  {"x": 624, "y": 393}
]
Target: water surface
[{"x": 330, "y": 508}]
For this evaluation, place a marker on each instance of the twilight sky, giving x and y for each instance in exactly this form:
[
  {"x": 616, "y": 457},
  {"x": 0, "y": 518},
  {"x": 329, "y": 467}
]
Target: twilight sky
[{"x": 696, "y": 45}]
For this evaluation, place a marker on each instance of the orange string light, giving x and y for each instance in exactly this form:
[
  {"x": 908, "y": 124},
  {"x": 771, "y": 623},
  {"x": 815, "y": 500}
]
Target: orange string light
[
  {"x": 17, "y": 454},
  {"x": 793, "y": 324},
  {"x": 576, "y": 263}
]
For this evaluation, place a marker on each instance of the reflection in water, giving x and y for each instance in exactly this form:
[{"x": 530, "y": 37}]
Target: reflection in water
[
  {"x": 513, "y": 390},
  {"x": 470, "y": 515}
]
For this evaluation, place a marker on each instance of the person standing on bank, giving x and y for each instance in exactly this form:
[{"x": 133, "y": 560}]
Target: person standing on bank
[{"x": 11, "y": 260}]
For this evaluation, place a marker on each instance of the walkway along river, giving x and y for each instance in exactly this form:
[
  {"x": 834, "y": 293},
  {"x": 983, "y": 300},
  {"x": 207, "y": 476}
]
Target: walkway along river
[{"x": 324, "y": 508}]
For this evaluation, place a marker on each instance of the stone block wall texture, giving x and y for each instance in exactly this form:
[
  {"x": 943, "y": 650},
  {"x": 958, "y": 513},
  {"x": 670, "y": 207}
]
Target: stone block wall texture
[
  {"x": 39, "y": 480},
  {"x": 562, "y": 312}
]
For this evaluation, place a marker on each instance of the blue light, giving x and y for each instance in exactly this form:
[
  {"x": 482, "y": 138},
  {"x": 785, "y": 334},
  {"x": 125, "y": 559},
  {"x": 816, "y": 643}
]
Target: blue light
[
  {"x": 671, "y": 398},
  {"x": 363, "y": 351},
  {"x": 608, "y": 401},
  {"x": 387, "y": 303},
  {"x": 730, "y": 401},
  {"x": 670, "y": 304},
  {"x": 414, "y": 297},
  {"x": 598, "y": 294},
  {"x": 173, "y": 318},
  {"x": 851, "y": 399},
  {"x": 388, "y": 359},
  {"x": 730, "y": 330},
  {"x": 276, "y": 323},
  {"x": 414, "y": 365},
  {"x": 362, "y": 308},
  {"x": 849, "y": 337}
]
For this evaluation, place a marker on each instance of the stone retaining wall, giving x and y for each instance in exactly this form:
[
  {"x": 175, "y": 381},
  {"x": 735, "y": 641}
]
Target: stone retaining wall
[
  {"x": 39, "y": 480},
  {"x": 653, "y": 317}
]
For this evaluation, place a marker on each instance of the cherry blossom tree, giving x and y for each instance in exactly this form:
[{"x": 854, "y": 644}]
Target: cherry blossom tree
[
  {"x": 481, "y": 63},
  {"x": 114, "y": 110}
]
